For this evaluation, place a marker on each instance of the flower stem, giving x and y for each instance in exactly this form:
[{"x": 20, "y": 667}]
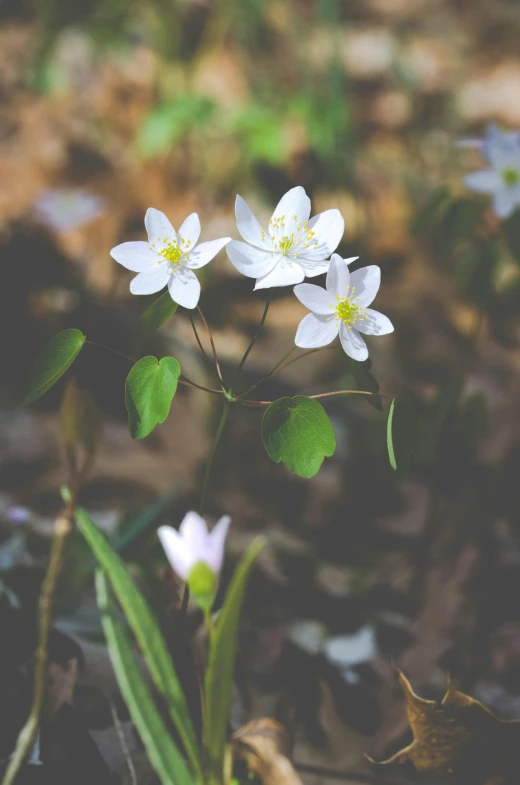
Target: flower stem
[
  {"x": 255, "y": 336},
  {"x": 271, "y": 372},
  {"x": 213, "y": 349},
  {"x": 29, "y": 732},
  {"x": 209, "y": 465}
]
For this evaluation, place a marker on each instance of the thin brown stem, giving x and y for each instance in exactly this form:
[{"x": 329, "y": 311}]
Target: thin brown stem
[
  {"x": 29, "y": 732},
  {"x": 271, "y": 372},
  {"x": 345, "y": 392},
  {"x": 257, "y": 333},
  {"x": 187, "y": 383},
  {"x": 213, "y": 349},
  {"x": 112, "y": 351},
  {"x": 306, "y": 354},
  {"x": 197, "y": 338}
]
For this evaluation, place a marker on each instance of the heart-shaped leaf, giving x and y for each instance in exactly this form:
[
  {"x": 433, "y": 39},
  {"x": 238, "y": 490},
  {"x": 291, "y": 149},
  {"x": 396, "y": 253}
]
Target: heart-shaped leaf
[
  {"x": 158, "y": 313},
  {"x": 52, "y": 362},
  {"x": 150, "y": 387},
  {"x": 298, "y": 432}
]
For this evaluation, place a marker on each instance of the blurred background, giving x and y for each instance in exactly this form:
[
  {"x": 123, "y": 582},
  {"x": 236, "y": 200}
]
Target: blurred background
[{"x": 111, "y": 106}]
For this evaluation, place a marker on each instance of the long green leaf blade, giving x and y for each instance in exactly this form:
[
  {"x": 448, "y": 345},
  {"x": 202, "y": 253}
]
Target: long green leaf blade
[
  {"x": 55, "y": 358},
  {"x": 164, "y": 756},
  {"x": 146, "y": 631},
  {"x": 389, "y": 436},
  {"x": 218, "y": 683}
]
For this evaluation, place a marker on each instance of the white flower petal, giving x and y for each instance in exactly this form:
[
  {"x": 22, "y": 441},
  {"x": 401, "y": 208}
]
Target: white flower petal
[
  {"x": 366, "y": 283},
  {"x": 248, "y": 226},
  {"x": 314, "y": 298},
  {"x": 194, "y": 532},
  {"x": 504, "y": 202},
  {"x": 375, "y": 324},
  {"x": 485, "y": 181},
  {"x": 151, "y": 281},
  {"x": 251, "y": 261},
  {"x": 338, "y": 277},
  {"x": 160, "y": 231},
  {"x": 470, "y": 143},
  {"x": 190, "y": 231},
  {"x": 353, "y": 344},
  {"x": 501, "y": 149},
  {"x": 314, "y": 331},
  {"x": 176, "y": 551},
  {"x": 285, "y": 273},
  {"x": 135, "y": 256},
  {"x": 313, "y": 268},
  {"x": 205, "y": 252},
  {"x": 184, "y": 288},
  {"x": 218, "y": 540},
  {"x": 328, "y": 228},
  {"x": 294, "y": 203}
]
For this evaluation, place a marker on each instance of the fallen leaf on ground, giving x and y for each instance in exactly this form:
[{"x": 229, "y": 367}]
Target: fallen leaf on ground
[
  {"x": 459, "y": 739},
  {"x": 264, "y": 745}
]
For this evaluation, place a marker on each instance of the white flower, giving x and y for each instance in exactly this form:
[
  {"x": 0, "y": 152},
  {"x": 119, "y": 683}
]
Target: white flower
[
  {"x": 194, "y": 544},
  {"x": 291, "y": 248},
  {"x": 502, "y": 180},
  {"x": 168, "y": 258},
  {"x": 66, "y": 209},
  {"x": 342, "y": 308}
]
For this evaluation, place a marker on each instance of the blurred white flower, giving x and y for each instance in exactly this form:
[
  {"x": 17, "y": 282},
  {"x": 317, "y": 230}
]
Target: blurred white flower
[
  {"x": 502, "y": 179},
  {"x": 193, "y": 544},
  {"x": 66, "y": 209},
  {"x": 346, "y": 651},
  {"x": 168, "y": 258},
  {"x": 291, "y": 248},
  {"x": 342, "y": 308}
]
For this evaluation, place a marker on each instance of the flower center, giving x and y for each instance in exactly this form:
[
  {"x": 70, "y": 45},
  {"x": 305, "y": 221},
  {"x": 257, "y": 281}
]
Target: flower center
[
  {"x": 172, "y": 253},
  {"x": 301, "y": 239},
  {"x": 511, "y": 177},
  {"x": 348, "y": 309}
]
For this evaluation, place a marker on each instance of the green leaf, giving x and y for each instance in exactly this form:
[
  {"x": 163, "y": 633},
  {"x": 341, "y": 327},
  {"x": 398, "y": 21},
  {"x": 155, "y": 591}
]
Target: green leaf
[
  {"x": 298, "y": 432},
  {"x": 158, "y": 313},
  {"x": 146, "y": 631},
  {"x": 218, "y": 681},
  {"x": 512, "y": 233},
  {"x": 165, "y": 757},
  {"x": 172, "y": 120},
  {"x": 430, "y": 212},
  {"x": 52, "y": 362},
  {"x": 150, "y": 387},
  {"x": 79, "y": 419},
  {"x": 390, "y": 437}
]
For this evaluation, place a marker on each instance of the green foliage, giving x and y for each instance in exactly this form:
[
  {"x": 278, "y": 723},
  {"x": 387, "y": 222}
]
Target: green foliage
[
  {"x": 430, "y": 213},
  {"x": 150, "y": 387},
  {"x": 158, "y": 313},
  {"x": 172, "y": 120},
  {"x": 390, "y": 437},
  {"x": 162, "y": 751},
  {"x": 52, "y": 362},
  {"x": 146, "y": 631},
  {"x": 218, "y": 682},
  {"x": 262, "y": 134},
  {"x": 79, "y": 419},
  {"x": 512, "y": 234},
  {"x": 298, "y": 432}
]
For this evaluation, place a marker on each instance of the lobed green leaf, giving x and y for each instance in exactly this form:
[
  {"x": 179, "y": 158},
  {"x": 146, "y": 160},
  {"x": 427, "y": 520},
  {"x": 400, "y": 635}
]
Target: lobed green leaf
[
  {"x": 158, "y": 313},
  {"x": 52, "y": 362},
  {"x": 149, "y": 390},
  {"x": 297, "y": 431}
]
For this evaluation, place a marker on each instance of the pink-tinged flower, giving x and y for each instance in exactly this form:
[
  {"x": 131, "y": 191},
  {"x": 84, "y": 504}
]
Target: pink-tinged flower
[
  {"x": 342, "y": 309},
  {"x": 291, "y": 248},
  {"x": 502, "y": 179},
  {"x": 168, "y": 258},
  {"x": 194, "y": 544}
]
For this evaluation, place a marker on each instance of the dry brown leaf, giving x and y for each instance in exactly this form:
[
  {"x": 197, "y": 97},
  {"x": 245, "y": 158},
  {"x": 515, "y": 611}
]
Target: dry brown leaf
[
  {"x": 459, "y": 739},
  {"x": 264, "y": 745}
]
